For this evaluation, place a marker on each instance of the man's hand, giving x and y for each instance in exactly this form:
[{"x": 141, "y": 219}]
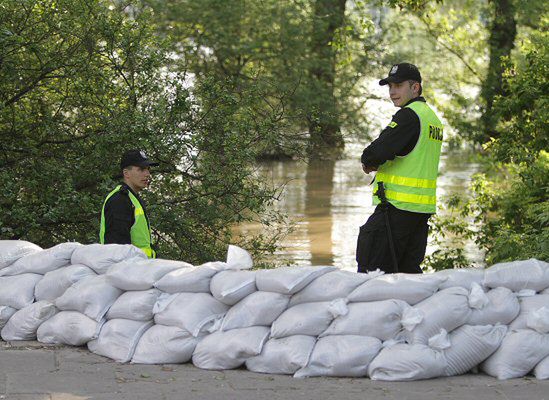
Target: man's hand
[{"x": 367, "y": 169}]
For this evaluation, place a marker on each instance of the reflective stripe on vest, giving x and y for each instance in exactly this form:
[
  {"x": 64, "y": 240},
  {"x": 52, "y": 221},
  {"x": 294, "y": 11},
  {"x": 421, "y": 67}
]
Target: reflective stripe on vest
[
  {"x": 139, "y": 232},
  {"x": 410, "y": 181}
]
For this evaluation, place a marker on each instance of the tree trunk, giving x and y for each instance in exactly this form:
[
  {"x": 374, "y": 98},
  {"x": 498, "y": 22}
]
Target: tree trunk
[
  {"x": 503, "y": 31},
  {"x": 324, "y": 129}
]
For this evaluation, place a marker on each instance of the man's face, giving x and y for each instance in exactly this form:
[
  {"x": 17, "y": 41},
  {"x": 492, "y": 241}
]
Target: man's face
[
  {"x": 403, "y": 92},
  {"x": 137, "y": 177}
]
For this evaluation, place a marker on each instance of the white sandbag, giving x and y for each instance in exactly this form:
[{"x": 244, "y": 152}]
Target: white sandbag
[
  {"x": 516, "y": 275},
  {"x": 100, "y": 257},
  {"x": 55, "y": 283},
  {"x": 69, "y": 327},
  {"x": 141, "y": 274},
  {"x": 18, "y": 291},
  {"x": 517, "y": 355},
  {"x": 43, "y": 261},
  {"x": 238, "y": 258},
  {"x": 165, "y": 345},
  {"x": 411, "y": 288},
  {"x": 471, "y": 345},
  {"x": 230, "y": 287},
  {"x": 538, "y": 320},
  {"x": 13, "y": 250},
  {"x": 407, "y": 362},
  {"x": 345, "y": 355},
  {"x": 25, "y": 322},
  {"x": 118, "y": 339},
  {"x": 463, "y": 277},
  {"x": 542, "y": 369},
  {"x": 528, "y": 305},
  {"x": 283, "y": 356},
  {"x": 257, "y": 309},
  {"x": 229, "y": 349},
  {"x": 307, "y": 318},
  {"x": 5, "y": 314},
  {"x": 379, "y": 319},
  {"x": 92, "y": 296},
  {"x": 194, "y": 312},
  {"x": 288, "y": 280},
  {"x": 447, "y": 309},
  {"x": 333, "y": 285},
  {"x": 503, "y": 307},
  {"x": 134, "y": 305},
  {"x": 193, "y": 280}
]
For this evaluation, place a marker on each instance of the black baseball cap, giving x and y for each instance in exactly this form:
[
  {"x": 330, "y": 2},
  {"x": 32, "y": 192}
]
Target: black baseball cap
[
  {"x": 402, "y": 72},
  {"x": 136, "y": 158}
]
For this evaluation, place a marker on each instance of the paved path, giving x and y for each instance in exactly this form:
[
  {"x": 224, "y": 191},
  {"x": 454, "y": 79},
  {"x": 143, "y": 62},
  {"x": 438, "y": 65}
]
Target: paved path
[{"x": 32, "y": 371}]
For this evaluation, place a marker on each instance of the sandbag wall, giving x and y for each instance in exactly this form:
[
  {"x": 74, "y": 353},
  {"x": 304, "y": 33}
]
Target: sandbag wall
[{"x": 304, "y": 321}]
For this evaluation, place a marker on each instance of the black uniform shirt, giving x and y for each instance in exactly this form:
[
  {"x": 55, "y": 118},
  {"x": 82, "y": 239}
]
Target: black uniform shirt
[
  {"x": 119, "y": 216},
  {"x": 398, "y": 139}
]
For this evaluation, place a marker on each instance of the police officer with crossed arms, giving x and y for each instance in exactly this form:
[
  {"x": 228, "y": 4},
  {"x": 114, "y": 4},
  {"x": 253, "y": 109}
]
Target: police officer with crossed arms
[{"x": 405, "y": 157}]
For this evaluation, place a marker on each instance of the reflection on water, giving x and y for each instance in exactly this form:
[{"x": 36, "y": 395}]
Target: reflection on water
[{"x": 330, "y": 200}]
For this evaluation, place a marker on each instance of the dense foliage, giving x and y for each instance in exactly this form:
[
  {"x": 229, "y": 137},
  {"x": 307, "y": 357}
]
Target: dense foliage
[
  {"x": 509, "y": 203},
  {"x": 80, "y": 83},
  {"x": 209, "y": 87}
]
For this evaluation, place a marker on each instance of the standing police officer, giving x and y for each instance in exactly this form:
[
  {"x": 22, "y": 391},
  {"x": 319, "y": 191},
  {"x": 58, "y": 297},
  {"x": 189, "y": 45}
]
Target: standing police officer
[
  {"x": 124, "y": 217},
  {"x": 406, "y": 156}
]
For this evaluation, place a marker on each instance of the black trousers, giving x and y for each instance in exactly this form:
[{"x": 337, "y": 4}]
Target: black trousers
[{"x": 409, "y": 231}]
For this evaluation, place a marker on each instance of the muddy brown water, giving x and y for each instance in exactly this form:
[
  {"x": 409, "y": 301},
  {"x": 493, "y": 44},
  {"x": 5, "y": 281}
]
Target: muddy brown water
[{"x": 329, "y": 200}]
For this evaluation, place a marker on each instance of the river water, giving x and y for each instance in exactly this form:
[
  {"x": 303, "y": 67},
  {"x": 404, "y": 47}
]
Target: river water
[{"x": 329, "y": 200}]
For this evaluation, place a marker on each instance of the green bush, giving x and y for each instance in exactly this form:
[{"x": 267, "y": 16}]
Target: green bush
[{"x": 80, "y": 82}]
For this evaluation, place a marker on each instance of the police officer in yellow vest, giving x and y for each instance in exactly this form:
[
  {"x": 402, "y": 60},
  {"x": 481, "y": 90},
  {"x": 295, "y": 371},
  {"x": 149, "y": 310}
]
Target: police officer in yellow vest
[
  {"x": 406, "y": 156},
  {"x": 124, "y": 217}
]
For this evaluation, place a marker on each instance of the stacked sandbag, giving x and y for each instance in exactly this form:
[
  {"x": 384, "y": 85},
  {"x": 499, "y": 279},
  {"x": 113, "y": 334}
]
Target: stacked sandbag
[
  {"x": 411, "y": 288},
  {"x": 131, "y": 314},
  {"x": 92, "y": 296},
  {"x": 13, "y": 250},
  {"x": 162, "y": 344},
  {"x": 407, "y": 362},
  {"x": 497, "y": 306},
  {"x": 463, "y": 277},
  {"x": 229, "y": 349},
  {"x": 69, "y": 327},
  {"x": 186, "y": 310},
  {"x": 534, "y": 314},
  {"x": 529, "y": 274},
  {"x": 17, "y": 291},
  {"x": 379, "y": 319},
  {"x": 519, "y": 353},
  {"x": 470, "y": 345},
  {"x": 330, "y": 286},
  {"x": 294, "y": 330},
  {"x": 118, "y": 338},
  {"x": 341, "y": 355},
  {"x": 245, "y": 332},
  {"x": 41, "y": 262},
  {"x": 24, "y": 323},
  {"x": 5, "y": 314},
  {"x": 83, "y": 306},
  {"x": 56, "y": 282},
  {"x": 447, "y": 309},
  {"x": 302, "y": 321},
  {"x": 100, "y": 257}
]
